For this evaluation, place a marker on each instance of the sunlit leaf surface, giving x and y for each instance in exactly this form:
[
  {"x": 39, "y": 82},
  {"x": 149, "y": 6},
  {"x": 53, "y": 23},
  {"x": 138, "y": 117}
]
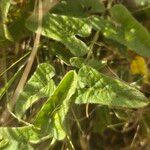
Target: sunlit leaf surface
[
  {"x": 64, "y": 29},
  {"x": 39, "y": 86},
  {"x": 51, "y": 117},
  {"x": 95, "y": 87},
  {"x": 18, "y": 137}
]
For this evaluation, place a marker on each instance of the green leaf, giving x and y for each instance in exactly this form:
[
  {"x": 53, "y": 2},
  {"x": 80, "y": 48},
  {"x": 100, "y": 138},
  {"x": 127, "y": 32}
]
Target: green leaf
[
  {"x": 4, "y": 7},
  {"x": 14, "y": 138},
  {"x": 126, "y": 30},
  {"x": 79, "y": 62},
  {"x": 15, "y": 28},
  {"x": 78, "y": 8},
  {"x": 133, "y": 35},
  {"x": 93, "y": 6},
  {"x": 8, "y": 84},
  {"x": 95, "y": 87},
  {"x": 100, "y": 24},
  {"x": 64, "y": 29},
  {"x": 101, "y": 119},
  {"x": 52, "y": 115},
  {"x": 39, "y": 86},
  {"x": 60, "y": 51}
]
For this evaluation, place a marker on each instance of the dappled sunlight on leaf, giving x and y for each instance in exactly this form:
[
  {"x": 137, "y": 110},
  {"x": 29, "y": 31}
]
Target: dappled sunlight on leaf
[{"x": 95, "y": 87}]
